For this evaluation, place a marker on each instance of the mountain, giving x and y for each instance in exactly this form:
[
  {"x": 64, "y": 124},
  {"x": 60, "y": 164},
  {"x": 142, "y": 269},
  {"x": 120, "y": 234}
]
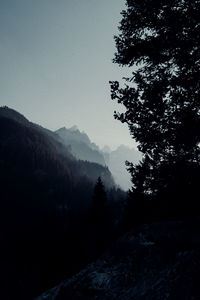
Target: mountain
[
  {"x": 115, "y": 160},
  {"x": 10, "y": 113},
  {"x": 154, "y": 261},
  {"x": 80, "y": 145},
  {"x": 45, "y": 207},
  {"x": 59, "y": 149}
]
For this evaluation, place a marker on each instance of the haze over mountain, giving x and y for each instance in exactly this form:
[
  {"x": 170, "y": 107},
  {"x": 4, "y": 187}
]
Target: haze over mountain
[
  {"x": 116, "y": 159},
  {"x": 80, "y": 145}
]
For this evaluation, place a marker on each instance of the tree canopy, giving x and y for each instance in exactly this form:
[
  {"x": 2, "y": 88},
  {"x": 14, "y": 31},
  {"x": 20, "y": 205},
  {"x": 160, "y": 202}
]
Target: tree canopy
[{"x": 159, "y": 41}]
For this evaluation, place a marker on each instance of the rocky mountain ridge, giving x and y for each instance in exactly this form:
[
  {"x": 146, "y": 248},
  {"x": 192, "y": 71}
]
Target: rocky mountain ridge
[
  {"x": 80, "y": 145},
  {"x": 82, "y": 148}
]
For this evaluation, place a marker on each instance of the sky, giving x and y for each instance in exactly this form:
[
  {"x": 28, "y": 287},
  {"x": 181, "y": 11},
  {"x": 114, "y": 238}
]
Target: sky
[{"x": 56, "y": 63}]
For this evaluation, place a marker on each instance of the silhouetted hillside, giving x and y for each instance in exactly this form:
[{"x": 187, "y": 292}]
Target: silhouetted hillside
[
  {"x": 54, "y": 144},
  {"x": 13, "y": 114},
  {"x": 45, "y": 207}
]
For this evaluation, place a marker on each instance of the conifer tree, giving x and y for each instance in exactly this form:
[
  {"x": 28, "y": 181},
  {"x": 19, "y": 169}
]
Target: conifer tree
[
  {"x": 100, "y": 214},
  {"x": 99, "y": 197}
]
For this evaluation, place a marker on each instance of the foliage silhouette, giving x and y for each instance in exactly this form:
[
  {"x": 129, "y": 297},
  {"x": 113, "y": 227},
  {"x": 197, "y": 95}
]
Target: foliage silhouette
[
  {"x": 100, "y": 215},
  {"x": 159, "y": 40}
]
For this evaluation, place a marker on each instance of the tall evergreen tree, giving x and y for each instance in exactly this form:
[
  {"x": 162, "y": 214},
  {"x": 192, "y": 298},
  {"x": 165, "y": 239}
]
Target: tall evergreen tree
[
  {"x": 160, "y": 41},
  {"x": 100, "y": 215},
  {"x": 99, "y": 196}
]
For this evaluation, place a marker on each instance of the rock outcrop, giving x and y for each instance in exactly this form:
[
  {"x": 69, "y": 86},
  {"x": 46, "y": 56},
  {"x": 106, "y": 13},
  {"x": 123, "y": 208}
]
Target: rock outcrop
[{"x": 158, "y": 261}]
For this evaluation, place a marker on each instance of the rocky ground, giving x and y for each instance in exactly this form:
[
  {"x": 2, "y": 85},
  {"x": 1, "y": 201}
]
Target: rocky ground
[{"x": 157, "y": 261}]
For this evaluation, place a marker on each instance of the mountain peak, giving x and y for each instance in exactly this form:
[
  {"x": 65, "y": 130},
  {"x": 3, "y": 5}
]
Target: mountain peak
[
  {"x": 74, "y": 128},
  {"x": 10, "y": 113},
  {"x": 106, "y": 149}
]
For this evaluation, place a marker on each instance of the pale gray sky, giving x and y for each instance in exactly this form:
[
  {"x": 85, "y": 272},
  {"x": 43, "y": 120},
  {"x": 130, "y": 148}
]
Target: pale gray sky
[{"x": 56, "y": 62}]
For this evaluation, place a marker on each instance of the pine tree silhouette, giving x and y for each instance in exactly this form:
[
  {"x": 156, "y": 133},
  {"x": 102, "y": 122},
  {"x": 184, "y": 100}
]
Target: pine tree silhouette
[{"x": 100, "y": 215}]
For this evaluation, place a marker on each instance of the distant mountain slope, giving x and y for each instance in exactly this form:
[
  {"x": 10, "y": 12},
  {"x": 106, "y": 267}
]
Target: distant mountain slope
[
  {"x": 157, "y": 261},
  {"x": 82, "y": 148},
  {"x": 80, "y": 144},
  {"x": 55, "y": 145},
  {"x": 115, "y": 160}
]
